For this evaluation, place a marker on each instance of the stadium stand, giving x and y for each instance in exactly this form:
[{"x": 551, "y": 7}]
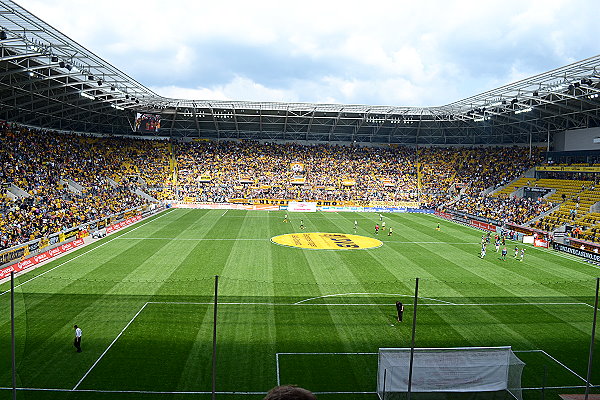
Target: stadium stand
[
  {"x": 63, "y": 180},
  {"x": 72, "y": 179}
]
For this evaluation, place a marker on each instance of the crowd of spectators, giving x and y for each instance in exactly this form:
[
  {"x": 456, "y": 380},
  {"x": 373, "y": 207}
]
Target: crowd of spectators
[
  {"x": 71, "y": 179},
  {"x": 214, "y": 171},
  {"x": 510, "y": 209},
  {"x": 67, "y": 180}
]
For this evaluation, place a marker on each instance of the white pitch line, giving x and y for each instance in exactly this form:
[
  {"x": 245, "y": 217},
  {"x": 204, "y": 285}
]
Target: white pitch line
[
  {"x": 527, "y": 351},
  {"x": 83, "y": 254},
  {"x": 446, "y": 304},
  {"x": 367, "y": 294},
  {"x": 129, "y": 391},
  {"x": 336, "y": 354},
  {"x": 192, "y": 239},
  {"x": 228, "y": 393},
  {"x": 265, "y": 239},
  {"x": 109, "y": 346},
  {"x": 222, "y": 215},
  {"x": 564, "y": 366},
  {"x": 510, "y": 304}
]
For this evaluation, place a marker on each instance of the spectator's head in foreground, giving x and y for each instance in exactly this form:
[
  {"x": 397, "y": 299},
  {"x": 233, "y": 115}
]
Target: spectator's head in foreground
[{"x": 289, "y": 392}]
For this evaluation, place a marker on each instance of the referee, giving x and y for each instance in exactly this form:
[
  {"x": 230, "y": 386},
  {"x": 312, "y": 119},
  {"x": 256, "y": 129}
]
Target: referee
[
  {"x": 400, "y": 310},
  {"x": 77, "y": 341}
]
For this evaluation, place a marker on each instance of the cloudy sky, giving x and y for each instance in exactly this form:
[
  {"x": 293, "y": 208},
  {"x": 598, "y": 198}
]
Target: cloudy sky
[{"x": 406, "y": 53}]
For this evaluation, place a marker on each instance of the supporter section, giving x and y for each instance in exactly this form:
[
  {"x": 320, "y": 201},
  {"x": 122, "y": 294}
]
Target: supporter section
[{"x": 53, "y": 182}]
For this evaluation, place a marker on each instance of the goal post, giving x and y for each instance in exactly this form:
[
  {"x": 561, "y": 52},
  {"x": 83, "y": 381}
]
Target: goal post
[{"x": 458, "y": 369}]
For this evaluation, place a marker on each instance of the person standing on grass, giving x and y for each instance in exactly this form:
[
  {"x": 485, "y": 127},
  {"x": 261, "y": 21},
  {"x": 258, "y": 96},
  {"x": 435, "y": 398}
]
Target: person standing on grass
[
  {"x": 355, "y": 225},
  {"x": 504, "y": 251},
  {"x": 301, "y": 224},
  {"x": 383, "y": 226},
  {"x": 522, "y": 254},
  {"x": 390, "y": 231},
  {"x": 483, "y": 249},
  {"x": 77, "y": 341},
  {"x": 377, "y": 229},
  {"x": 399, "y": 310},
  {"x": 285, "y": 219}
]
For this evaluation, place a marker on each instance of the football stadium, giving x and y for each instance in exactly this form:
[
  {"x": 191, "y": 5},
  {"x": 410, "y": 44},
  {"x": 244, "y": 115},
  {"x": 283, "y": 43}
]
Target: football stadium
[{"x": 160, "y": 248}]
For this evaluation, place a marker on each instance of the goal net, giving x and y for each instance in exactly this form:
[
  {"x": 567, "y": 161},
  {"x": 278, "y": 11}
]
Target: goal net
[{"x": 460, "y": 369}]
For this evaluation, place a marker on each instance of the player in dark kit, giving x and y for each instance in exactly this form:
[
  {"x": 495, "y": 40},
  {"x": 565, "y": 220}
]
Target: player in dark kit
[
  {"x": 399, "y": 310},
  {"x": 504, "y": 251}
]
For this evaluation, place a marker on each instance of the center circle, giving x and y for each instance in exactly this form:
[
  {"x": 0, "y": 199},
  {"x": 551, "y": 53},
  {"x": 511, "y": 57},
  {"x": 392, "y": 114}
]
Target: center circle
[{"x": 326, "y": 241}]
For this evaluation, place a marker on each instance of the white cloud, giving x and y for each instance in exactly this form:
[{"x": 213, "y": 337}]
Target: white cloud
[
  {"x": 381, "y": 52},
  {"x": 239, "y": 88}
]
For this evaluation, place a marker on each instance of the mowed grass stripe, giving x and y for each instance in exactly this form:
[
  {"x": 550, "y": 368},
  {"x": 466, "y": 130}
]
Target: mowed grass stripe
[
  {"x": 100, "y": 295},
  {"x": 494, "y": 270},
  {"x": 254, "y": 271},
  {"x": 159, "y": 270}
]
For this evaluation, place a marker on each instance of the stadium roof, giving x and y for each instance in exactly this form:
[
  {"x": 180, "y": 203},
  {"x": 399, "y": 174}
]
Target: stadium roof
[{"x": 49, "y": 80}]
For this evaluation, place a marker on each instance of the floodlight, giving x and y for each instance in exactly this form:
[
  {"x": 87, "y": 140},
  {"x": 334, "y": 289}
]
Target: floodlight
[
  {"x": 61, "y": 64},
  {"x": 112, "y": 88},
  {"x": 68, "y": 67},
  {"x": 90, "y": 77},
  {"x": 3, "y": 35},
  {"x": 535, "y": 93},
  {"x": 54, "y": 59},
  {"x": 99, "y": 82}
]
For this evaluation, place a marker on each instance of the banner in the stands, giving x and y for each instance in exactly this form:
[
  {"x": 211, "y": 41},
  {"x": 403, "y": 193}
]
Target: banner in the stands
[
  {"x": 302, "y": 206},
  {"x": 30, "y": 262},
  {"x": 577, "y": 252},
  {"x": 122, "y": 224},
  {"x": 567, "y": 168}
]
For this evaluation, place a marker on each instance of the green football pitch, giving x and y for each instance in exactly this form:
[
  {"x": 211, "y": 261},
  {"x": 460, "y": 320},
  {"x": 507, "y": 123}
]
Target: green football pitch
[{"x": 315, "y": 318}]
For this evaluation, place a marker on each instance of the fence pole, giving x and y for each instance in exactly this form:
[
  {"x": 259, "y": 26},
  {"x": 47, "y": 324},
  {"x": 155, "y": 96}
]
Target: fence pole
[
  {"x": 544, "y": 381},
  {"x": 591, "y": 356},
  {"x": 214, "y": 349},
  {"x": 12, "y": 335},
  {"x": 412, "y": 343}
]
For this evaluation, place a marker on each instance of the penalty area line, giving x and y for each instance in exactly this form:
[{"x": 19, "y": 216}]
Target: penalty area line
[
  {"x": 368, "y": 294},
  {"x": 369, "y": 304}
]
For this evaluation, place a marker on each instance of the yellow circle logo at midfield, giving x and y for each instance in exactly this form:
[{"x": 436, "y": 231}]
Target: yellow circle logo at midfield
[{"x": 326, "y": 241}]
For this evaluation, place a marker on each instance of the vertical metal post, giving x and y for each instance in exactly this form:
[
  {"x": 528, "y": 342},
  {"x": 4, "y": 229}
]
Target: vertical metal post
[
  {"x": 548, "y": 146},
  {"x": 214, "y": 350},
  {"x": 412, "y": 343},
  {"x": 591, "y": 357},
  {"x": 12, "y": 335},
  {"x": 530, "y": 141},
  {"x": 544, "y": 381}
]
